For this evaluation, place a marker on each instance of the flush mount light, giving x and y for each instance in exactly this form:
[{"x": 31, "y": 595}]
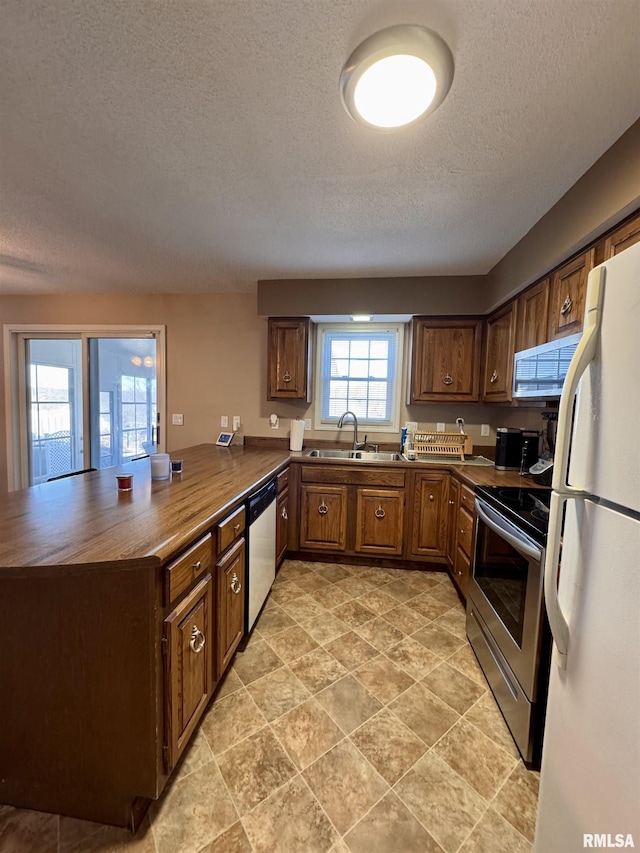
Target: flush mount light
[
  {"x": 361, "y": 318},
  {"x": 396, "y": 76}
]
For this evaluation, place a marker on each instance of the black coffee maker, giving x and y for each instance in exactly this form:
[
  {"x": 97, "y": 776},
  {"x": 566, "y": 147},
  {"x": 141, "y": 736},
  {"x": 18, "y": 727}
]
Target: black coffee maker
[
  {"x": 508, "y": 448},
  {"x": 530, "y": 450}
]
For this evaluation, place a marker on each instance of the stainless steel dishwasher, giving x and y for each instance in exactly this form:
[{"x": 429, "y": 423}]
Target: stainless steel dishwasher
[{"x": 261, "y": 564}]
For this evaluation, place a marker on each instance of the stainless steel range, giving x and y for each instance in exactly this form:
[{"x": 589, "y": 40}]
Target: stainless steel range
[{"x": 506, "y": 622}]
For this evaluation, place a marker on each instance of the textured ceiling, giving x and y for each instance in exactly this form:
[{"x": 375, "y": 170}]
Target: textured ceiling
[{"x": 199, "y": 145}]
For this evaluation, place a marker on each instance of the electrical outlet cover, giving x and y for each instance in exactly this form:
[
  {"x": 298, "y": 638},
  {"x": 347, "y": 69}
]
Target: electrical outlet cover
[
  {"x": 440, "y": 426},
  {"x": 224, "y": 422},
  {"x": 236, "y": 423},
  {"x": 484, "y": 429},
  {"x": 307, "y": 423}
]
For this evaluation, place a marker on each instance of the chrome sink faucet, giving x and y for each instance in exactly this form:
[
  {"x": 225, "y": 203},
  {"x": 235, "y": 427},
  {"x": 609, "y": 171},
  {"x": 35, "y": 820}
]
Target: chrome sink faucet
[{"x": 356, "y": 444}]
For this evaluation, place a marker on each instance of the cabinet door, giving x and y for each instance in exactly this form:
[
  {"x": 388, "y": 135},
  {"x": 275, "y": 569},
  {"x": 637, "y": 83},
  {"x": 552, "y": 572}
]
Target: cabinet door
[
  {"x": 499, "y": 350},
  {"x": 282, "y": 525},
  {"x": 230, "y": 608},
  {"x": 452, "y": 520},
  {"x": 533, "y": 316},
  {"x": 288, "y": 359},
  {"x": 379, "y": 521},
  {"x": 429, "y": 519},
  {"x": 462, "y": 572},
  {"x": 189, "y": 666},
  {"x": 445, "y": 360},
  {"x": 622, "y": 238},
  {"x": 568, "y": 293},
  {"x": 323, "y": 517}
]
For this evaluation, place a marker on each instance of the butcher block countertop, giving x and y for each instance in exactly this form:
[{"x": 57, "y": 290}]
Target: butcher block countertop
[{"x": 84, "y": 519}]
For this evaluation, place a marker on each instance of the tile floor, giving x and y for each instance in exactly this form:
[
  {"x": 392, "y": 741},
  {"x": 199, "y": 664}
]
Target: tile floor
[{"x": 356, "y": 719}]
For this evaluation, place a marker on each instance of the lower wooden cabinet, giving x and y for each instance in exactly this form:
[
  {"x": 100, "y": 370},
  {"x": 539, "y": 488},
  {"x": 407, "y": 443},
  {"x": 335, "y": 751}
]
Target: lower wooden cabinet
[
  {"x": 461, "y": 539},
  {"x": 323, "y": 517},
  {"x": 452, "y": 520},
  {"x": 230, "y": 579},
  {"x": 282, "y": 525},
  {"x": 189, "y": 667},
  {"x": 379, "y": 521},
  {"x": 429, "y": 515}
]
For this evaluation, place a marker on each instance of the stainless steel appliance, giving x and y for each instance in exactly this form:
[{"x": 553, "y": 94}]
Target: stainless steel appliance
[
  {"x": 539, "y": 372},
  {"x": 508, "y": 448},
  {"x": 506, "y": 623},
  {"x": 261, "y": 563}
]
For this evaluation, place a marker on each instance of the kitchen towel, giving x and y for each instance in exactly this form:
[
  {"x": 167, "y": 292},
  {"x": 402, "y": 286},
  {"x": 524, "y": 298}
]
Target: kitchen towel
[{"x": 296, "y": 435}]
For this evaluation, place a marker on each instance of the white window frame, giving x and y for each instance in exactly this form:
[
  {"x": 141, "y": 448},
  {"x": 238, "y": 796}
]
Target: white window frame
[
  {"x": 372, "y": 426},
  {"x": 14, "y": 383}
]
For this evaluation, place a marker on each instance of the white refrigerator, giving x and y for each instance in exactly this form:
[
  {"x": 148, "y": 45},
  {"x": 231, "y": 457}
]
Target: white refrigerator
[{"x": 590, "y": 775}]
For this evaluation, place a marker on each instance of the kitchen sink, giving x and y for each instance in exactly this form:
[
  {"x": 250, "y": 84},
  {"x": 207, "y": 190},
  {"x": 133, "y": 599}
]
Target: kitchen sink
[{"x": 357, "y": 455}]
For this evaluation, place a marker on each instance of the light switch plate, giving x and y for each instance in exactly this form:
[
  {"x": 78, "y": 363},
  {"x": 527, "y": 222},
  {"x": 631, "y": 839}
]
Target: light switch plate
[
  {"x": 484, "y": 429},
  {"x": 177, "y": 420},
  {"x": 440, "y": 426},
  {"x": 412, "y": 426},
  {"x": 307, "y": 423},
  {"x": 224, "y": 422}
]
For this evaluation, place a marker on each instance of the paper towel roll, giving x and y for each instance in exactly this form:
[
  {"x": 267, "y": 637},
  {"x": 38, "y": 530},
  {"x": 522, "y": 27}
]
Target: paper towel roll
[{"x": 296, "y": 435}]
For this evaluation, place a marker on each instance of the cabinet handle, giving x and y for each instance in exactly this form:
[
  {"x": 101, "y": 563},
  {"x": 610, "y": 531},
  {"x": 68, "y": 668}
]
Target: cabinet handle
[
  {"x": 447, "y": 379},
  {"x": 236, "y": 586},
  {"x": 284, "y": 513},
  {"x": 236, "y": 527},
  {"x": 452, "y": 502},
  {"x": 286, "y": 377},
  {"x": 197, "y": 641},
  {"x": 196, "y": 567},
  {"x": 431, "y": 498},
  {"x": 494, "y": 377},
  {"x": 462, "y": 530},
  {"x": 566, "y": 305},
  {"x": 379, "y": 513},
  {"x": 323, "y": 509}
]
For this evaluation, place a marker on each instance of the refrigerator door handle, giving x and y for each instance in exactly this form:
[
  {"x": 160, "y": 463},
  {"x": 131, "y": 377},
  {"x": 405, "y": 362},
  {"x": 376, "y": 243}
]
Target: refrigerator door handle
[
  {"x": 557, "y": 621},
  {"x": 582, "y": 357}
]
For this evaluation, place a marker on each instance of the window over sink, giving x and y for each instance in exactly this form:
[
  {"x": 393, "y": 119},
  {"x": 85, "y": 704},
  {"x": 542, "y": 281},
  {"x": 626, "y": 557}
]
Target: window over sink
[{"x": 358, "y": 369}]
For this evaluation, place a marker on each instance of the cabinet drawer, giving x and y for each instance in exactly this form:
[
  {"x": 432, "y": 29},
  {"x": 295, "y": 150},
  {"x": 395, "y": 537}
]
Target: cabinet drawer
[
  {"x": 465, "y": 531},
  {"x": 467, "y": 499},
  {"x": 229, "y": 529},
  {"x": 179, "y": 575},
  {"x": 462, "y": 571},
  {"x": 282, "y": 481},
  {"x": 352, "y": 475}
]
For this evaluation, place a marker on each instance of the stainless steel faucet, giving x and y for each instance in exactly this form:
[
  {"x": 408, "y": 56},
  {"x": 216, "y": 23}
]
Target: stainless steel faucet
[{"x": 356, "y": 444}]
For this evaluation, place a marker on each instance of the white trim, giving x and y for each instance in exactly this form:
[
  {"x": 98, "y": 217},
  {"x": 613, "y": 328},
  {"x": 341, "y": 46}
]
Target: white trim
[
  {"x": 394, "y": 426},
  {"x": 17, "y": 476}
]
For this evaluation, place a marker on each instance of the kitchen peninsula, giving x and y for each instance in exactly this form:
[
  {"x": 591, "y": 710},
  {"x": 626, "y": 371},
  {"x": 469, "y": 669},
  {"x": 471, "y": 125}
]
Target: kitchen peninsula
[{"x": 116, "y": 620}]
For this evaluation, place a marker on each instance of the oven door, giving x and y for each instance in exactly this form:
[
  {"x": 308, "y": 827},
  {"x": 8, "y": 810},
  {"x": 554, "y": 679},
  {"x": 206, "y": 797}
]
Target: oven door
[{"x": 507, "y": 590}]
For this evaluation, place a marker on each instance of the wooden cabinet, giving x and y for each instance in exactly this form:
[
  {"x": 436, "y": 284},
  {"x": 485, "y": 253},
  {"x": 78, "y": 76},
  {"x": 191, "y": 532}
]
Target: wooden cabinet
[
  {"x": 181, "y": 573},
  {"x": 288, "y": 359},
  {"x": 230, "y": 579},
  {"x": 379, "y": 521},
  {"x": 282, "y": 525},
  {"x": 323, "y": 517},
  {"x": 622, "y": 238},
  {"x": 189, "y": 667},
  {"x": 452, "y": 519},
  {"x": 445, "y": 359},
  {"x": 429, "y": 514},
  {"x": 461, "y": 539},
  {"x": 567, "y": 296},
  {"x": 500, "y": 332},
  {"x": 533, "y": 316}
]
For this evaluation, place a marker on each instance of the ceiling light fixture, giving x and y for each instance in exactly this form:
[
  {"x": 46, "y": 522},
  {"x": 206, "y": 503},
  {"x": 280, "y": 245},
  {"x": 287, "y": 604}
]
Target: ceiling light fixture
[
  {"x": 396, "y": 76},
  {"x": 361, "y": 318}
]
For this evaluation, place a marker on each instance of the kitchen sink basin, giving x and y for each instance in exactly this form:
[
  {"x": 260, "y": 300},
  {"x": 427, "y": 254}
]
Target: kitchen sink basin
[{"x": 356, "y": 455}]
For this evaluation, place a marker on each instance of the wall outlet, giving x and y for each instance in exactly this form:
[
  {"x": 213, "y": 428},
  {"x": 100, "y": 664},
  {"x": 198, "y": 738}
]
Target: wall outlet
[
  {"x": 440, "y": 426},
  {"x": 177, "y": 420},
  {"x": 484, "y": 429},
  {"x": 307, "y": 423},
  {"x": 224, "y": 422},
  {"x": 274, "y": 421},
  {"x": 412, "y": 426},
  {"x": 236, "y": 423}
]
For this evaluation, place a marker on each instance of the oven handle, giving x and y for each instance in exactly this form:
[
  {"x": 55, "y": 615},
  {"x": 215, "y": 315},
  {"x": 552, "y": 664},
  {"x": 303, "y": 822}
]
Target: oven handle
[{"x": 511, "y": 534}]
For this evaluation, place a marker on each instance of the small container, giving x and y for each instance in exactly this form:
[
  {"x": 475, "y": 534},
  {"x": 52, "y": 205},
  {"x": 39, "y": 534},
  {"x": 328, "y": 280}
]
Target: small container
[
  {"x": 159, "y": 466},
  {"x": 125, "y": 482},
  {"x": 176, "y": 466}
]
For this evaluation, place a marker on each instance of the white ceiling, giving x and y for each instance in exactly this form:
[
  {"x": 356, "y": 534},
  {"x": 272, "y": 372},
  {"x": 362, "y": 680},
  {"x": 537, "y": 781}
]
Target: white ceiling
[{"x": 199, "y": 145}]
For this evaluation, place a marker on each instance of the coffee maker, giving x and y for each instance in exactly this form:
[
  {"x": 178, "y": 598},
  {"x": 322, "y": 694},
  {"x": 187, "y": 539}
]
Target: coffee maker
[
  {"x": 530, "y": 450},
  {"x": 508, "y": 448}
]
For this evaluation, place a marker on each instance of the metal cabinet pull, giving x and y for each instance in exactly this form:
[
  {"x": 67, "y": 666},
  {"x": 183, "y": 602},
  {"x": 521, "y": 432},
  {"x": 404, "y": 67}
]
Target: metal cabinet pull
[
  {"x": 286, "y": 377},
  {"x": 197, "y": 641},
  {"x": 323, "y": 509},
  {"x": 196, "y": 567},
  {"x": 431, "y": 498},
  {"x": 566, "y": 305},
  {"x": 494, "y": 377},
  {"x": 236, "y": 586},
  {"x": 452, "y": 502},
  {"x": 379, "y": 513},
  {"x": 284, "y": 513},
  {"x": 447, "y": 379},
  {"x": 236, "y": 527}
]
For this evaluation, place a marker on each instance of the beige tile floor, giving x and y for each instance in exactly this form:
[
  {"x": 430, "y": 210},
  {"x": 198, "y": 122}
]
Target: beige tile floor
[{"x": 356, "y": 719}]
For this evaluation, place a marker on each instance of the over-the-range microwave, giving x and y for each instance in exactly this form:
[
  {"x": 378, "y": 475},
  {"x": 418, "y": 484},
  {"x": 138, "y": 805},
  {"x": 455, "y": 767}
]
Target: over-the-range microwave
[{"x": 539, "y": 372}]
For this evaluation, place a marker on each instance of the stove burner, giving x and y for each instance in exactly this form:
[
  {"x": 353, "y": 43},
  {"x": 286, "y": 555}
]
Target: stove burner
[
  {"x": 517, "y": 498},
  {"x": 527, "y": 507},
  {"x": 541, "y": 514}
]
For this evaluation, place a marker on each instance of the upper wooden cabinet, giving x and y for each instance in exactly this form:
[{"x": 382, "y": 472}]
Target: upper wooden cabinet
[
  {"x": 567, "y": 296},
  {"x": 288, "y": 359},
  {"x": 500, "y": 336},
  {"x": 533, "y": 316},
  {"x": 445, "y": 360},
  {"x": 622, "y": 238}
]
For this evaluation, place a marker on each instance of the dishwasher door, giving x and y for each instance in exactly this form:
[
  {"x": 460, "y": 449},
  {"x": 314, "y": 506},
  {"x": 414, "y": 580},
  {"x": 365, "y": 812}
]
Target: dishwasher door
[{"x": 261, "y": 565}]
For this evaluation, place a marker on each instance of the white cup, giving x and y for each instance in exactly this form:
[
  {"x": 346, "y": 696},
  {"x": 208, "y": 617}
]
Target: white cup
[{"x": 159, "y": 466}]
